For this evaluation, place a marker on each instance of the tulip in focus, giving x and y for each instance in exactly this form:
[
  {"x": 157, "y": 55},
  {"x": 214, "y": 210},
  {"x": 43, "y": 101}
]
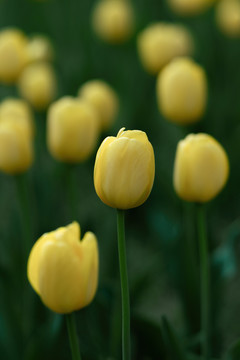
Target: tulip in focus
[
  {"x": 18, "y": 109},
  {"x": 63, "y": 269},
  {"x": 113, "y": 20},
  {"x": 13, "y": 54},
  {"x": 103, "y": 98},
  {"x": 201, "y": 168},
  {"x": 161, "y": 42},
  {"x": 228, "y": 17},
  {"x": 124, "y": 169},
  {"x": 72, "y": 130},
  {"x": 40, "y": 49},
  {"x": 37, "y": 84},
  {"x": 190, "y": 7},
  {"x": 182, "y": 91},
  {"x": 16, "y": 148}
]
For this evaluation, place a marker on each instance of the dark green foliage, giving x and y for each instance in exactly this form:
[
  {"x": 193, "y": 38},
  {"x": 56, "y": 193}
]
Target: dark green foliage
[{"x": 161, "y": 234}]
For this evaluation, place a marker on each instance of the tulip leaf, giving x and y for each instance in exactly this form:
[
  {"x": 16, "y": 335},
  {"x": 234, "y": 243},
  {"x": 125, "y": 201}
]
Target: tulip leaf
[
  {"x": 171, "y": 341},
  {"x": 233, "y": 352}
]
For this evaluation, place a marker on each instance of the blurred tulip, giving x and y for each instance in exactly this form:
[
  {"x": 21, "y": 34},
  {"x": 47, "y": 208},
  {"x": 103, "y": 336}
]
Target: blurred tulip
[
  {"x": 161, "y": 42},
  {"x": 182, "y": 91},
  {"x": 124, "y": 169},
  {"x": 63, "y": 269},
  {"x": 72, "y": 130},
  {"x": 190, "y": 7},
  {"x": 16, "y": 148},
  {"x": 103, "y": 98},
  {"x": 228, "y": 17},
  {"x": 13, "y": 54},
  {"x": 113, "y": 20},
  {"x": 18, "y": 109},
  {"x": 37, "y": 84},
  {"x": 40, "y": 49},
  {"x": 201, "y": 168}
]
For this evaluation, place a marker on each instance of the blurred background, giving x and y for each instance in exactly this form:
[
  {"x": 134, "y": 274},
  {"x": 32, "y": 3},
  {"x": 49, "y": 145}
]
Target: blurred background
[{"x": 161, "y": 235}]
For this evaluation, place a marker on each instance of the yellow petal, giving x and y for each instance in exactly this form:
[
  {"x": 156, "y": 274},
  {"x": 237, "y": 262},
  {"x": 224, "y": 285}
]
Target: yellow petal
[{"x": 124, "y": 170}]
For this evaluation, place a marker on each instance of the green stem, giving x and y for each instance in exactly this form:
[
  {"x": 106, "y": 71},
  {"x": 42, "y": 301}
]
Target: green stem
[
  {"x": 204, "y": 269},
  {"x": 126, "y": 348},
  {"x": 190, "y": 281},
  {"x": 25, "y": 213},
  {"x": 73, "y": 339}
]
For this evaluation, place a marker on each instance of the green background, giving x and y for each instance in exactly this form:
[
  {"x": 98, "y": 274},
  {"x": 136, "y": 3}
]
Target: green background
[{"x": 161, "y": 235}]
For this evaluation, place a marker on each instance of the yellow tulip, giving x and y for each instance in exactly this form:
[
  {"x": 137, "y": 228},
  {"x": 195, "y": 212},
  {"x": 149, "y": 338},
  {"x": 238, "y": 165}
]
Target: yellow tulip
[
  {"x": 228, "y": 17},
  {"x": 16, "y": 148},
  {"x": 201, "y": 168},
  {"x": 161, "y": 42},
  {"x": 72, "y": 130},
  {"x": 13, "y": 54},
  {"x": 113, "y": 20},
  {"x": 40, "y": 49},
  {"x": 190, "y": 7},
  {"x": 124, "y": 169},
  {"x": 63, "y": 269},
  {"x": 103, "y": 98},
  {"x": 37, "y": 84},
  {"x": 182, "y": 91},
  {"x": 18, "y": 109}
]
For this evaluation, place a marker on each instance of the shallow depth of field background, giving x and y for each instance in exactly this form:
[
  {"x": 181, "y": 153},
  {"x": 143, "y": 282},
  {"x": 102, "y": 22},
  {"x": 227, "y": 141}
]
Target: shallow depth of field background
[{"x": 160, "y": 235}]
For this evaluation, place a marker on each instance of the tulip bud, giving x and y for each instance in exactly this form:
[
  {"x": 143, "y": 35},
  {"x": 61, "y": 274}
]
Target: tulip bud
[
  {"x": 63, "y": 269},
  {"x": 190, "y": 7},
  {"x": 37, "y": 84},
  {"x": 182, "y": 91},
  {"x": 159, "y": 43},
  {"x": 103, "y": 98},
  {"x": 16, "y": 152},
  {"x": 72, "y": 130},
  {"x": 124, "y": 169},
  {"x": 113, "y": 20},
  {"x": 17, "y": 109},
  {"x": 201, "y": 168},
  {"x": 40, "y": 49},
  {"x": 228, "y": 17},
  {"x": 13, "y": 54}
]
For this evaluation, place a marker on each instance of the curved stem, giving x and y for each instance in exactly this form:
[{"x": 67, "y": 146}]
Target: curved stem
[
  {"x": 73, "y": 339},
  {"x": 126, "y": 348},
  {"x": 204, "y": 269}
]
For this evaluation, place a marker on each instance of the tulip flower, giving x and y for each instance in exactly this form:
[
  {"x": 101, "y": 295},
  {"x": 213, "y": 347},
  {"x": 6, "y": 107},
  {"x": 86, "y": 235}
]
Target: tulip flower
[
  {"x": 228, "y": 17},
  {"x": 16, "y": 148},
  {"x": 18, "y": 109},
  {"x": 201, "y": 168},
  {"x": 124, "y": 169},
  {"x": 123, "y": 178},
  {"x": 190, "y": 7},
  {"x": 37, "y": 84},
  {"x": 182, "y": 91},
  {"x": 16, "y": 155},
  {"x": 161, "y": 42},
  {"x": 72, "y": 130},
  {"x": 63, "y": 269},
  {"x": 103, "y": 98},
  {"x": 113, "y": 20},
  {"x": 40, "y": 49},
  {"x": 13, "y": 54}
]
